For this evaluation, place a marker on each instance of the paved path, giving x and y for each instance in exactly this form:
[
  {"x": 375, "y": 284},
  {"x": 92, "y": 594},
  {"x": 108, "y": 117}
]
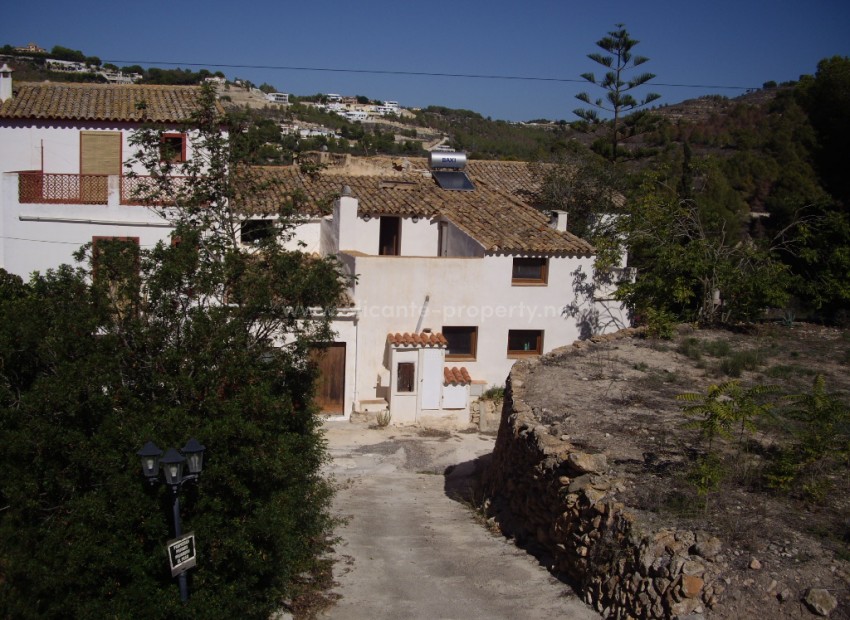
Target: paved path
[{"x": 409, "y": 551}]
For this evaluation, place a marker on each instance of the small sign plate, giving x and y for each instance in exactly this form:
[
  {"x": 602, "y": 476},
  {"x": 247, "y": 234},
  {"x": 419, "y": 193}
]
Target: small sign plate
[{"x": 181, "y": 553}]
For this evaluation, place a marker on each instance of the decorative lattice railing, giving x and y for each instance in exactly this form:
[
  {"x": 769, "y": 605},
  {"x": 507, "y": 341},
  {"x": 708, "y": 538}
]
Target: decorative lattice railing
[
  {"x": 145, "y": 190},
  {"x": 41, "y": 188},
  {"x": 93, "y": 189}
]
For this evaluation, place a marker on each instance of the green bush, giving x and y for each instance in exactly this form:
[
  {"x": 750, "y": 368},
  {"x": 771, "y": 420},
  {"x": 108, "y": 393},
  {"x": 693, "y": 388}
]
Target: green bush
[
  {"x": 717, "y": 348},
  {"x": 690, "y": 348},
  {"x": 740, "y": 361}
]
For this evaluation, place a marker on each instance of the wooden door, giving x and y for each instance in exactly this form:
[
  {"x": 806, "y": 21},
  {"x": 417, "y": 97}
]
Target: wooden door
[{"x": 330, "y": 384}]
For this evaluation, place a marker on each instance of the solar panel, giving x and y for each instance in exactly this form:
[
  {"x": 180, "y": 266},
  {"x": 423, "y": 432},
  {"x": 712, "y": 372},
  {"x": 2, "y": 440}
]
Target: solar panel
[{"x": 453, "y": 180}]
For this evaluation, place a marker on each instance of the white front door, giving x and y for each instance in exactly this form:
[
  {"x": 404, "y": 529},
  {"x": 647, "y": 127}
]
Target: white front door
[{"x": 431, "y": 378}]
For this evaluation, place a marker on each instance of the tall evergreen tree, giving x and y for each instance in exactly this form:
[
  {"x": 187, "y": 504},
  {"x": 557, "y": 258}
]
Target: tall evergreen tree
[{"x": 618, "y": 61}]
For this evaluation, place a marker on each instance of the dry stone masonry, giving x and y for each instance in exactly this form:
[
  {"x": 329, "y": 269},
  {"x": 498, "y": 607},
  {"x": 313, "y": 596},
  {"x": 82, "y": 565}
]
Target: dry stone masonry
[{"x": 559, "y": 501}]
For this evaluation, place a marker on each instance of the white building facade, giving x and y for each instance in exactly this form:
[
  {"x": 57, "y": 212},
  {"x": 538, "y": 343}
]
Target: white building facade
[{"x": 450, "y": 283}]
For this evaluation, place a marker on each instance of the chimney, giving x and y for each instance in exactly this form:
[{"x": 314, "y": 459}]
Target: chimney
[
  {"x": 5, "y": 82},
  {"x": 559, "y": 221},
  {"x": 345, "y": 219}
]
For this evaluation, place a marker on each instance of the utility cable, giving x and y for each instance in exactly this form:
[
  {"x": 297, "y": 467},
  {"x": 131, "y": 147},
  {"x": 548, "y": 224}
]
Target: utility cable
[{"x": 480, "y": 76}]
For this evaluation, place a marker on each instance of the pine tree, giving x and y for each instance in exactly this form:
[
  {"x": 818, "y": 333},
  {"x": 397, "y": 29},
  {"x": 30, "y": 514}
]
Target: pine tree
[{"x": 618, "y": 61}]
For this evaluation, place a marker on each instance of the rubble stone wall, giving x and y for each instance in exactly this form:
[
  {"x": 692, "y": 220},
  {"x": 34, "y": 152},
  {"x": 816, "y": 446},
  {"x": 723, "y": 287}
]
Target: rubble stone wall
[{"x": 559, "y": 502}]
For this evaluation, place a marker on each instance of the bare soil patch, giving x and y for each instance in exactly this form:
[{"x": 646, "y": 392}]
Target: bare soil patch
[{"x": 620, "y": 397}]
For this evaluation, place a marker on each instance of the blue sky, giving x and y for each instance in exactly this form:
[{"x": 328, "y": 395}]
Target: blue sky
[{"x": 741, "y": 43}]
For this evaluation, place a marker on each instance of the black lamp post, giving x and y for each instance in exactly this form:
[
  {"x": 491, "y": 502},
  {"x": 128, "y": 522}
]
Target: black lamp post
[{"x": 172, "y": 465}]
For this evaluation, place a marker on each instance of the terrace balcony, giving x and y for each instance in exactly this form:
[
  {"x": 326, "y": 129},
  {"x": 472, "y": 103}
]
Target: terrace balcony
[{"x": 35, "y": 187}]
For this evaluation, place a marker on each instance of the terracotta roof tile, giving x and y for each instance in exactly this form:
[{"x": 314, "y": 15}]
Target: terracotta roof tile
[
  {"x": 495, "y": 217},
  {"x": 425, "y": 339},
  {"x": 456, "y": 376},
  {"x": 101, "y": 102}
]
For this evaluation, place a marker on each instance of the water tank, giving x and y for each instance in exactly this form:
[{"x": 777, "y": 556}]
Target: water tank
[{"x": 454, "y": 161}]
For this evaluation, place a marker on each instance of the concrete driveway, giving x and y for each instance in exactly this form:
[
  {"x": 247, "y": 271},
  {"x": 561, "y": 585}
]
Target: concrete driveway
[{"x": 410, "y": 551}]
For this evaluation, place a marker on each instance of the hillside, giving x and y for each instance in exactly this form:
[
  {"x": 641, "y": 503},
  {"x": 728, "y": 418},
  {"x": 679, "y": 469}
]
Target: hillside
[{"x": 778, "y": 510}]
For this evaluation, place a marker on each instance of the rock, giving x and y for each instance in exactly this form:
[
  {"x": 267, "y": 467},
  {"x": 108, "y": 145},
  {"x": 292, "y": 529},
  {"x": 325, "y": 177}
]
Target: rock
[
  {"x": 692, "y": 586},
  {"x": 693, "y": 567},
  {"x": 820, "y": 601},
  {"x": 785, "y": 595},
  {"x": 585, "y": 463},
  {"x": 755, "y": 564},
  {"x": 684, "y": 607},
  {"x": 707, "y": 548}
]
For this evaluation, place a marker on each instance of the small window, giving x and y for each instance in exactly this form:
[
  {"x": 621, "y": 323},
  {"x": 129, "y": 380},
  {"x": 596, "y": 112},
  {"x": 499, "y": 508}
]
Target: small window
[
  {"x": 255, "y": 232},
  {"x": 530, "y": 271},
  {"x": 405, "y": 377},
  {"x": 172, "y": 147},
  {"x": 525, "y": 342},
  {"x": 463, "y": 342}
]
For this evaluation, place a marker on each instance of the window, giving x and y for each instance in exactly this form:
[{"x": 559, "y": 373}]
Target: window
[
  {"x": 390, "y": 236},
  {"x": 100, "y": 155},
  {"x": 463, "y": 342},
  {"x": 254, "y": 232},
  {"x": 405, "y": 377},
  {"x": 530, "y": 271},
  {"x": 100, "y": 152},
  {"x": 525, "y": 342},
  {"x": 172, "y": 147}
]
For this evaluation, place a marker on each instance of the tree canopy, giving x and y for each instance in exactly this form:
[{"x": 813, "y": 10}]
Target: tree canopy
[{"x": 201, "y": 337}]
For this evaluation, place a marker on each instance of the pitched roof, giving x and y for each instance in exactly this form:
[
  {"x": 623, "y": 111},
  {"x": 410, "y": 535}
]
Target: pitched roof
[
  {"x": 492, "y": 214},
  {"x": 425, "y": 339},
  {"x": 101, "y": 102}
]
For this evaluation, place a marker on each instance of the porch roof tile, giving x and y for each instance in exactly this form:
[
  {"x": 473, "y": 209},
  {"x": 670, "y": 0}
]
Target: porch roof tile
[
  {"x": 425, "y": 339},
  {"x": 456, "y": 376}
]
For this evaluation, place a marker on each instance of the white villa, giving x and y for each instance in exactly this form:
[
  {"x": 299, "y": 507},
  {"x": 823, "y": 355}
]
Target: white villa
[{"x": 457, "y": 276}]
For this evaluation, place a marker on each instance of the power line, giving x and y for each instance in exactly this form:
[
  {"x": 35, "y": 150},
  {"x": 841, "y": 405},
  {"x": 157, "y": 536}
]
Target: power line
[{"x": 478, "y": 76}]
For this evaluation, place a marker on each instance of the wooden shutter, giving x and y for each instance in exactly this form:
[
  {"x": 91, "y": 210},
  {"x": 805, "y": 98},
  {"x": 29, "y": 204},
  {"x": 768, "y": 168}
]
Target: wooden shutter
[{"x": 100, "y": 152}]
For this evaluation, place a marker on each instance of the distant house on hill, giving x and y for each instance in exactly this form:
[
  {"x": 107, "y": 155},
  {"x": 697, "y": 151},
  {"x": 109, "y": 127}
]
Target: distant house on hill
[{"x": 282, "y": 98}]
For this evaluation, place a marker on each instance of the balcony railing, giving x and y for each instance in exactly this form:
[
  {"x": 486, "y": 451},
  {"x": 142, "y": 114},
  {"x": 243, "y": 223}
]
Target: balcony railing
[
  {"x": 93, "y": 189},
  {"x": 145, "y": 190},
  {"x": 42, "y": 188}
]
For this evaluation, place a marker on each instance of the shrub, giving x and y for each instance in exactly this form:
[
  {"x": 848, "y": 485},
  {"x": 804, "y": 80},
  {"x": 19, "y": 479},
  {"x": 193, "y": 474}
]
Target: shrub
[{"x": 739, "y": 361}]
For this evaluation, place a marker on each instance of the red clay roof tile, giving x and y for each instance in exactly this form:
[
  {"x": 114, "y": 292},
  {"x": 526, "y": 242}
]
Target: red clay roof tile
[
  {"x": 101, "y": 102},
  {"x": 425, "y": 339},
  {"x": 456, "y": 376},
  {"x": 494, "y": 216}
]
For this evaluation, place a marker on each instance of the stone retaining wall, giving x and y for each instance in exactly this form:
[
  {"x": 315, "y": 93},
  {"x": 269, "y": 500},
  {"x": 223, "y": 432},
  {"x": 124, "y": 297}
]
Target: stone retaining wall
[{"x": 561, "y": 503}]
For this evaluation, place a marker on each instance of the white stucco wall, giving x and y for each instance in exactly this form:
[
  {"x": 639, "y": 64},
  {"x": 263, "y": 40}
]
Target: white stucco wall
[
  {"x": 418, "y": 238},
  {"x": 23, "y": 144},
  {"x": 37, "y": 237},
  {"x": 391, "y": 292}
]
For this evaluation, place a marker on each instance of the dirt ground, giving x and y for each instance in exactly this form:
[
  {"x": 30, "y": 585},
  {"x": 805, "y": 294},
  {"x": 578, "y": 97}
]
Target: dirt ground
[{"x": 620, "y": 398}]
